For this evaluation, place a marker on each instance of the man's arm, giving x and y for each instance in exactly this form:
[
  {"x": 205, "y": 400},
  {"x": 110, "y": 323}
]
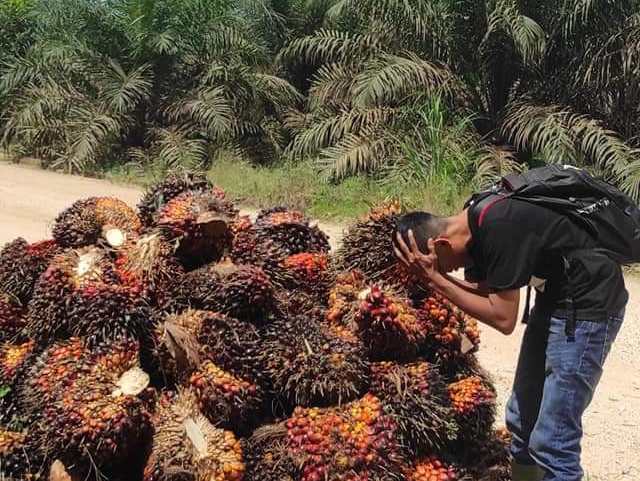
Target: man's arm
[
  {"x": 478, "y": 288},
  {"x": 498, "y": 310}
]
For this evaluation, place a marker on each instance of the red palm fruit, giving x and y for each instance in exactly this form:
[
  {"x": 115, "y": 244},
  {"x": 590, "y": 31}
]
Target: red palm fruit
[
  {"x": 200, "y": 223},
  {"x": 345, "y": 298},
  {"x": 187, "y": 446},
  {"x": 309, "y": 365},
  {"x": 416, "y": 396},
  {"x": 389, "y": 327},
  {"x": 474, "y": 405},
  {"x": 431, "y": 468},
  {"x": 241, "y": 291},
  {"x": 21, "y": 264},
  {"x": 367, "y": 245},
  {"x": 15, "y": 358},
  {"x": 490, "y": 460},
  {"x": 80, "y": 294},
  {"x": 357, "y": 441},
  {"x": 96, "y": 219},
  {"x": 267, "y": 456},
  {"x": 171, "y": 186},
  {"x": 12, "y": 319},
  {"x": 226, "y": 400}
]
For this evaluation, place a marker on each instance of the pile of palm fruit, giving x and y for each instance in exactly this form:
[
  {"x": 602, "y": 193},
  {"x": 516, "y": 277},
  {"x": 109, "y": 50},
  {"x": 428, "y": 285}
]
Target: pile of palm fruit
[{"x": 183, "y": 341}]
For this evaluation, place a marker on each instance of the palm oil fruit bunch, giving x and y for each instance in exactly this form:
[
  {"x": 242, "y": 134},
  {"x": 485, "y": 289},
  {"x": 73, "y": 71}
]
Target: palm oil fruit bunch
[
  {"x": 226, "y": 400},
  {"x": 146, "y": 264},
  {"x": 311, "y": 366},
  {"x": 431, "y": 468},
  {"x": 97, "y": 219},
  {"x": 186, "y": 446},
  {"x": 79, "y": 294},
  {"x": 267, "y": 456},
  {"x": 21, "y": 264},
  {"x": 367, "y": 245},
  {"x": 345, "y": 297},
  {"x": 170, "y": 187},
  {"x": 357, "y": 441},
  {"x": 20, "y": 459},
  {"x": 12, "y": 319},
  {"x": 200, "y": 223},
  {"x": 389, "y": 327},
  {"x": 15, "y": 359},
  {"x": 241, "y": 291},
  {"x": 474, "y": 405},
  {"x": 416, "y": 397},
  {"x": 452, "y": 334},
  {"x": 491, "y": 459}
]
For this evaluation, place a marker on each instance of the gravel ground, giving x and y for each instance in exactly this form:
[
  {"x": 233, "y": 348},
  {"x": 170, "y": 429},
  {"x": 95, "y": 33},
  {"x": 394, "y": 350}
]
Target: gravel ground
[{"x": 30, "y": 200}]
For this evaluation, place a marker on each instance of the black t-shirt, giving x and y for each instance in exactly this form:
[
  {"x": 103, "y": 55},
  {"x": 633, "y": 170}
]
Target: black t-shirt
[{"x": 521, "y": 244}]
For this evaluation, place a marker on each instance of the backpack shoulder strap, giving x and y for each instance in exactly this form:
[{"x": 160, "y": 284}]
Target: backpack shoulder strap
[{"x": 483, "y": 203}]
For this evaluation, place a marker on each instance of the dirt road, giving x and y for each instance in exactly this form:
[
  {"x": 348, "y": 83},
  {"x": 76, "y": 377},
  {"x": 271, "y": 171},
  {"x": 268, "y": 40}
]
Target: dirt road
[{"x": 30, "y": 199}]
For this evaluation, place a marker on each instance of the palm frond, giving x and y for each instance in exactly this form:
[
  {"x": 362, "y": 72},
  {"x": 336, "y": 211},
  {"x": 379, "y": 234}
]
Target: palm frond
[
  {"x": 331, "y": 85},
  {"x": 296, "y": 121},
  {"x": 389, "y": 79},
  {"x": 123, "y": 91},
  {"x": 208, "y": 108},
  {"x": 354, "y": 153},
  {"x": 494, "y": 163},
  {"x": 277, "y": 91},
  {"x": 173, "y": 147},
  {"x": 327, "y": 46},
  {"x": 330, "y": 130}
]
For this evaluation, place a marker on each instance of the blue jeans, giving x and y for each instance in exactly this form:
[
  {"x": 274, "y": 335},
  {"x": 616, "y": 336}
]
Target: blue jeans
[{"x": 554, "y": 383}]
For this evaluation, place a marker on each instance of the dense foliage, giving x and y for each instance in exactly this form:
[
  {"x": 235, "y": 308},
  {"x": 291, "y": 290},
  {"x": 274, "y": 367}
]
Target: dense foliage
[{"x": 402, "y": 91}]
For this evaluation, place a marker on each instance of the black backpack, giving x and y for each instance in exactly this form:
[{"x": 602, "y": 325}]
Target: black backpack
[{"x": 611, "y": 217}]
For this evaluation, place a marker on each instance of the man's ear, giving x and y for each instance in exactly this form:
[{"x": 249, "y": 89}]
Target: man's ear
[{"x": 442, "y": 242}]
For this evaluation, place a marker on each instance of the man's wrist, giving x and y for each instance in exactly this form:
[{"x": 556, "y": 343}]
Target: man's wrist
[{"x": 438, "y": 282}]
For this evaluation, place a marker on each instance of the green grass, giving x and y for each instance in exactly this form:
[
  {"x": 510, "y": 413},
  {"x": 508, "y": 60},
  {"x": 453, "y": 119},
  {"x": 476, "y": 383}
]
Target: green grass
[{"x": 300, "y": 187}]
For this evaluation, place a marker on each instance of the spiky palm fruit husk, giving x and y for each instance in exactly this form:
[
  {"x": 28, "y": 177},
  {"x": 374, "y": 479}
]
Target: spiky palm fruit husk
[
  {"x": 96, "y": 219},
  {"x": 13, "y": 319},
  {"x": 15, "y": 359},
  {"x": 187, "y": 339},
  {"x": 267, "y": 456},
  {"x": 200, "y": 224},
  {"x": 345, "y": 297},
  {"x": 389, "y": 327},
  {"x": 226, "y": 400},
  {"x": 474, "y": 406},
  {"x": 355, "y": 442},
  {"x": 309, "y": 365},
  {"x": 293, "y": 230},
  {"x": 367, "y": 245},
  {"x": 416, "y": 396},
  {"x": 431, "y": 468},
  {"x": 99, "y": 415},
  {"x": 170, "y": 187},
  {"x": 79, "y": 294},
  {"x": 186, "y": 446},
  {"x": 20, "y": 457},
  {"x": 21, "y": 264},
  {"x": 241, "y": 291},
  {"x": 147, "y": 264},
  {"x": 491, "y": 460}
]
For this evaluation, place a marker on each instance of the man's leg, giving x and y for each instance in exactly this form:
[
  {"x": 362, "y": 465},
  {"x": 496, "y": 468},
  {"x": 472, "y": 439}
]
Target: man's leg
[
  {"x": 524, "y": 404},
  {"x": 573, "y": 370}
]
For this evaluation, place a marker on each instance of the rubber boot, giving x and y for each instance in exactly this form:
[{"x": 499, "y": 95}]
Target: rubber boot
[{"x": 527, "y": 473}]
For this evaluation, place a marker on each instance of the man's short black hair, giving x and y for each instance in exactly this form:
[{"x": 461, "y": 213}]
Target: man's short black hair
[{"x": 424, "y": 225}]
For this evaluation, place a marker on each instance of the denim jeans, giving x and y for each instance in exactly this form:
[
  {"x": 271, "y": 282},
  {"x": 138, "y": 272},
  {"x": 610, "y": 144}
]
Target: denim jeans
[{"x": 554, "y": 383}]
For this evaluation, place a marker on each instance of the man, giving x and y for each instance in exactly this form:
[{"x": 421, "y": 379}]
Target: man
[{"x": 508, "y": 245}]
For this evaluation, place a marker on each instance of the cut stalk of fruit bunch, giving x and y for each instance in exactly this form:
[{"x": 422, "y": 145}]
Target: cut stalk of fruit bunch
[
  {"x": 389, "y": 327},
  {"x": 309, "y": 365},
  {"x": 199, "y": 222},
  {"x": 187, "y": 446},
  {"x": 96, "y": 219},
  {"x": 21, "y": 264},
  {"x": 80, "y": 294},
  {"x": 171, "y": 186},
  {"x": 367, "y": 245},
  {"x": 358, "y": 441},
  {"x": 417, "y": 398},
  {"x": 241, "y": 291}
]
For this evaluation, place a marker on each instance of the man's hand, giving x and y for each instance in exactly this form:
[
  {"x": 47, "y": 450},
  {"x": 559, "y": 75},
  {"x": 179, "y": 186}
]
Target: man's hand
[{"x": 423, "y": 266}]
